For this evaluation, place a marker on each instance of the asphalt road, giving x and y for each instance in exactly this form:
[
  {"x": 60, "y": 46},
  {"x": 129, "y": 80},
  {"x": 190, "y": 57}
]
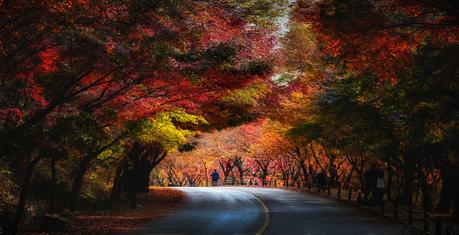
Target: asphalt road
[{"x": 239, "y": 210}]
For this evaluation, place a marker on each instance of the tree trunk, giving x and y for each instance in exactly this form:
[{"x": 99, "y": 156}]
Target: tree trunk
[
  {"x": 409, "y": 173},
  {"x": 456, "y": 198},
  {"x": 13, "y": 229},
  {"x": 447, "y": 184},
  {"x": 52, "y": 192},
  {"x": 426, "y": 196},
  {"x": 117, "y": 181},
  {"x": 133, "y": 197},
  {"x": 348, "y": 178},
  {"x": 78, "y": 182},
  {"x": 81, "y": 171},
  {"x": 305, "y": 172},
  {"x": 360, "y": 171},
  {"x": 205, "y": 173},
  {"x": 333, "y": 178},
  {"x": 263, "y": 179},
  {"x": 390, "y": 176}
]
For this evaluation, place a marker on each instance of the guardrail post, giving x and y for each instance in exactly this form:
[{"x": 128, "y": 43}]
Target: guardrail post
[
  {"x": 275, "y": 183},
  {"x": 395, "y": 211},
  {"x": 329, "y": 190},
  {"x": 426, "y": 222},
  {"x": 437, "y": 226},
  {"x": 339, "y": 191},
  {"x": 309, "y": 187},
  {"x": 410, "y": 216}
]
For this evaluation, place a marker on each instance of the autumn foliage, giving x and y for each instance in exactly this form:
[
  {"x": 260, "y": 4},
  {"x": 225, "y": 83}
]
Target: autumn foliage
[
  {"x": 97, "y": 97},
  {"x": 358, "y": 83},
  {"x": 93, "y": 88}
]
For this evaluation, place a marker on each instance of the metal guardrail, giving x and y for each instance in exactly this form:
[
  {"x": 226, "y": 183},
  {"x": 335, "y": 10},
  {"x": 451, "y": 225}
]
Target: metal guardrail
[{"x": 419, "y": 220}]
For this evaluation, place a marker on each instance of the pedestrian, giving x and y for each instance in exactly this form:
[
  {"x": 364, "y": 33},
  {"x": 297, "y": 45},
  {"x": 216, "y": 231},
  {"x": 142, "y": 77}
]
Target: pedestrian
[
  {"x": 380, "y": 184},
  {"x": 215, "y": 177},
  {"x": 371, "y": 179}
]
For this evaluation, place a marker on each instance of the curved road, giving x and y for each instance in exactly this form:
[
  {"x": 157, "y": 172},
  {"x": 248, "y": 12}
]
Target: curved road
[{"x": 239, "y": 210}]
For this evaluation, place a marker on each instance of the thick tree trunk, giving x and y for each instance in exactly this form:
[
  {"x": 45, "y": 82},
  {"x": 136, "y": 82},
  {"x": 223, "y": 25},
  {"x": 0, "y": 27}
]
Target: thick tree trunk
[
  {"x": 78, "y": 182},
  {"x": 13, "y": 229},
  {"x": 409, "y": 176},
  {"x": 117, "y": 181},
  {"x": 447, "y": 184}
]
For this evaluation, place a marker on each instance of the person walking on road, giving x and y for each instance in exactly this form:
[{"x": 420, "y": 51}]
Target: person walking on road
[
  {"x": 215, "y": 177},
  {"x": 374, "y": 182}
]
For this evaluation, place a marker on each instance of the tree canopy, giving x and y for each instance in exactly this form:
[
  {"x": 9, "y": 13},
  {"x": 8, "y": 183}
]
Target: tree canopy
[{"x": 97, "y": 96}]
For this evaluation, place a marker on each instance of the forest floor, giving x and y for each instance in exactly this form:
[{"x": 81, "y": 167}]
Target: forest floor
[{"x": 158, "y": 203}]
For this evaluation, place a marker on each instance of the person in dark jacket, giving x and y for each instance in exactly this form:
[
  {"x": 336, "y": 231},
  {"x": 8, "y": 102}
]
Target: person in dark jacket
[
  {"x": 215, "y": 177},
  {"x": 371, "y": 179}
]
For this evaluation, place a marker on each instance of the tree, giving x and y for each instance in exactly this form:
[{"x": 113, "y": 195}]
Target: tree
[{"x": 116, "y": 62}]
